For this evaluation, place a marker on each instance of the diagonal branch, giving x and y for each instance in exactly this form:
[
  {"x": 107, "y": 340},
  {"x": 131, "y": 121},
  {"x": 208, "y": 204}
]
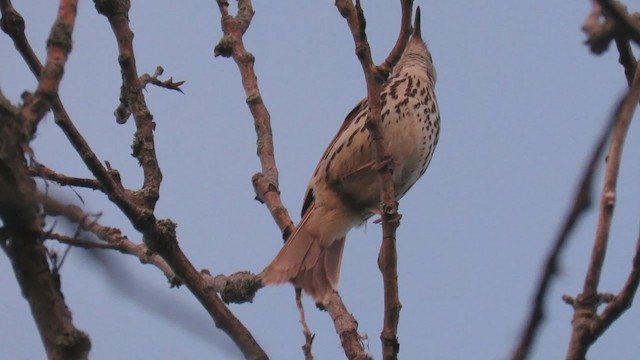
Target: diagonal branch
[
  {"x": 13, "y": 24},
  {"x": 347, "y": 329},
  {"x": 112, "y": 237}
]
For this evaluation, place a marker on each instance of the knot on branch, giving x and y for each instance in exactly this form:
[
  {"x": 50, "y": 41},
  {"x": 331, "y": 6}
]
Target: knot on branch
[
  {"x": 60, "y": 37},
  {"x": 237, "y": 288},
  {"x": 610, "y": 198},
  {"x": 224, "y": 47},
  {"x": 602, "y": 26},
  {"x": 262, "y": 186},
  {"x": 12, "y": 23},
  {"x": 161, "y": 238},
  {"x": 112, "y": 8},
  {"x": 154, "y": 79},
  {"x": 589, "y": 303},
  {"x": 73, "y": 344},
  {"x": 390, "y": 341}
]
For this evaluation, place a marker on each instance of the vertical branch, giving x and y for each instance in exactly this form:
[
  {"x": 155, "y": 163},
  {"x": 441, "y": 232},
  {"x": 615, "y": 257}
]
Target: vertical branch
[
  {"x": 117, "y": 13},
  {"x": 375, "y": 77},
  {"x": 21, "y": 234},
  {"x": 231, "y": 45},
  {"x": 59, "y": 46},
  {"x": 586, "y": 304}
]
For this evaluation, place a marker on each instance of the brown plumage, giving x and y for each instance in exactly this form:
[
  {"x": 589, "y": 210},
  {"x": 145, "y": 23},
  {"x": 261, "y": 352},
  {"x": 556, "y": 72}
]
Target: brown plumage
[{"x": 344, "y": 189}]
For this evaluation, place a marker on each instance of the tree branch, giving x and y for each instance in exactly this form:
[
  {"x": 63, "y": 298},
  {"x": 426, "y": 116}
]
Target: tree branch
[
  {"x": 347, "y": 329},
  {"x": 375, "y": 76},
  {"x": 132, "y": 98},
  {"x": 403, "y": 37},
  {"x": 581, "y": 202},
  {"x": 626, "y": 25},
  {"x": 113, "y": 238},
  {"x": 586, "y": 304},
  {"x": 265, "y": 183},
  {"x": 14, "y": 27},
  {"x": 21, "y": 234},
  {"x": 46, "y": 174},
  {"x": 622, "y": 301}
]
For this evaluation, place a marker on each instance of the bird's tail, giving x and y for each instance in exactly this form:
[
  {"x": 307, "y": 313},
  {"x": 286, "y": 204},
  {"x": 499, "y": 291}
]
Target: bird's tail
[{"x": 311, "y": 259}]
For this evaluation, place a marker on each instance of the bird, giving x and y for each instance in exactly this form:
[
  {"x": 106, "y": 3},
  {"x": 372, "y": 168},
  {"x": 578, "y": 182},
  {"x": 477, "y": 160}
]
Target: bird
[{"x": 344, "y": 190}]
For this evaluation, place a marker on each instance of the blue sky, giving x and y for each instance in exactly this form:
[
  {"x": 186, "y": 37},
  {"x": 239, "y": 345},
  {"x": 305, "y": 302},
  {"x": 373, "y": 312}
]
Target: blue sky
[{"x": 522, "y": 101}]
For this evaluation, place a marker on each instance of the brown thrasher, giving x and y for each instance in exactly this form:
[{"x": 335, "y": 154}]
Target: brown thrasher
[{"x": 344, "y": 190}]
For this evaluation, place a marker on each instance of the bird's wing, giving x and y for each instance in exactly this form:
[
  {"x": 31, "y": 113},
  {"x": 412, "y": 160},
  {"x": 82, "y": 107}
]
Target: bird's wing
[{"x": 309, "y": 195}]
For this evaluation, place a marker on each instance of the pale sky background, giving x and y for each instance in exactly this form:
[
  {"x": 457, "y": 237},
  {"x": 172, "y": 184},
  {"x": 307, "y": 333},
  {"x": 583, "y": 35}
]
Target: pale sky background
[{"x": 522, "y": 102}]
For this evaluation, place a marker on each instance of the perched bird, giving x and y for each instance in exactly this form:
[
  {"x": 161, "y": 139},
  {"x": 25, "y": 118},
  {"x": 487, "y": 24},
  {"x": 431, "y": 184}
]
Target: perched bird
[{"x": 344, "y": 190}]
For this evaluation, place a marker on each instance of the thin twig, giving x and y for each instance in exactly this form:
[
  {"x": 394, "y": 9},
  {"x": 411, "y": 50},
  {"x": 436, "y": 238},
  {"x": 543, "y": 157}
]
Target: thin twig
[
  {"x": 46, "y": 173},
  {"x": 586, "y": 304},
  {"x": 112, "y": 237},
  {"x": 154, "y": 79},
  {"x": 581, "y": 202},
  {"x": 622, "y": 301},
  {"x": 80, "y": 242},
  {"x": 403, "y": 37},
  {"x": 308, "y": 335}
]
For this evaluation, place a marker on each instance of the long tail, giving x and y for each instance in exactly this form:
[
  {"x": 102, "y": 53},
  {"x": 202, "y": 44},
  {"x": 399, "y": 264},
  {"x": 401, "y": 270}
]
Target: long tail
[{"x": 308, "y": 260}]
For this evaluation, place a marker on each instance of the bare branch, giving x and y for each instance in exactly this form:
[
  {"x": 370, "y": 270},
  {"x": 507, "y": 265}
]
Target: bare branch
[
  {"x": 58, "y": 48},
  {"x": 628, "y": 26},
  {"x": 405, "y": 31},
  {"x": 12, "y": 24},
  {"x": 112, "y": 186},
  {"x": 21, "y": 234},
  {"x": 622, "y": 301},
  {"x": 237, "y": 288},
  {"x": 132, "y": 97},
  {"x": 265, "y": 183},
  {"x": 46, "y": 173},
  {"x": 308, "y": 335},
  {"x": 113, "y": 237},
  {"x": 581, "y": 202},
  {"x": 626, "y": 58},
  {"x": 79, "y": 242},
  {"x": 374, "y": 76},
  {"x": 153, "y": 79},
  {"x": 347, "y": 329},
  {"x": 586, "y": 304}
]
